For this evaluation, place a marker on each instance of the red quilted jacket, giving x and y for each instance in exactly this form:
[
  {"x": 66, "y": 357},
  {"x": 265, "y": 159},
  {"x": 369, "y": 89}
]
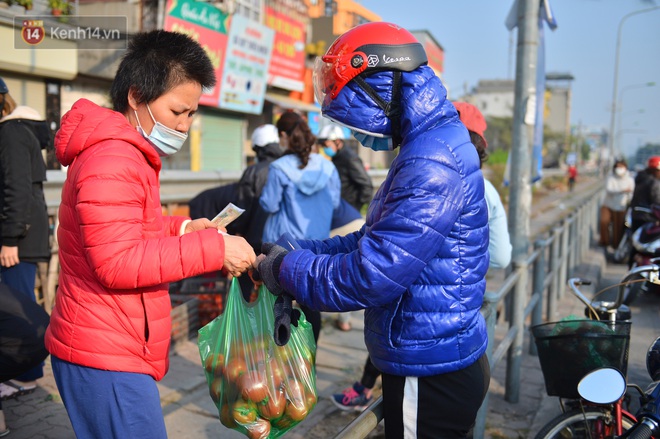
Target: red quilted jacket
[{"x": 117, "y": 251}]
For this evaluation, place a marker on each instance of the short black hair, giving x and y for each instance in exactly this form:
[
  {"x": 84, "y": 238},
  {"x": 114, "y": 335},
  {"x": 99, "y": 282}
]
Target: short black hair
[{"x": 156, "y": 62}]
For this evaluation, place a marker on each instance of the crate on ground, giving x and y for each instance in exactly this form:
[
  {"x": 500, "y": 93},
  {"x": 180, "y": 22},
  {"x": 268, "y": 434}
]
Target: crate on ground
[
  {"x": 185, "y": 317},
  {"x": 209, "y": 289},
  {"x": 570, "y": 349}
]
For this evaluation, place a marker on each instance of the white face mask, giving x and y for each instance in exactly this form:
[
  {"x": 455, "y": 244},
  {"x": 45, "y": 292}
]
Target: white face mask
[
  {"x": 619, "y": 171},
  {"x": 165, "y": 141}
]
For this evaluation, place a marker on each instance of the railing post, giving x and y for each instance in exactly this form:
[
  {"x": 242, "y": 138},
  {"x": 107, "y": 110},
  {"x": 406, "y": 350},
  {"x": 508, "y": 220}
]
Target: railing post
[
  {"x": 491, "y": 320},
  {"x": 563, "y": 258},
  {"x": 514, "y": 357},
  {"x": 570, "y": 247},
  {"x": 538, "y": 281},
  {"x": 579, "y": 235},
  {"x": 553, "y": 290}
]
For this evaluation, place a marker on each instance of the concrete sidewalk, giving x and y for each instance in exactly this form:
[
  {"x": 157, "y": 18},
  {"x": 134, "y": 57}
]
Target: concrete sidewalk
[{"x": 190, "y": 413}]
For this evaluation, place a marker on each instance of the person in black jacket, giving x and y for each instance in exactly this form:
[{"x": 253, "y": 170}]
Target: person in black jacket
[
  {"x": 356, "y": 186},
  {"x": 266, "y": 145},
  {"x": 250, "y": 225},
  {"x": 23, "y": 213},
  {"x": 647, "y": 192}
]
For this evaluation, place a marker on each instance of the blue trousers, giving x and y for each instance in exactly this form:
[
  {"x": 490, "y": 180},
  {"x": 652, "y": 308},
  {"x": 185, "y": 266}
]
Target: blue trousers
[
  {"x": 107, "y": 404},
  {"x": 22, "y": 277}
]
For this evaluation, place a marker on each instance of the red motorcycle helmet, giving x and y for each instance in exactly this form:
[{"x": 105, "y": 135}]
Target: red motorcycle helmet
[
  {"x": 654, "y": 162},
  {"x": 367, "y": 48}
]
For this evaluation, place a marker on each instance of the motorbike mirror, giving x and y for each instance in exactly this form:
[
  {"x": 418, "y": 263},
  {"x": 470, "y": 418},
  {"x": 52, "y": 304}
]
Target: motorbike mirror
[
  {"x": 602, "y": 386},
  {"x": 653, "y": 360}
]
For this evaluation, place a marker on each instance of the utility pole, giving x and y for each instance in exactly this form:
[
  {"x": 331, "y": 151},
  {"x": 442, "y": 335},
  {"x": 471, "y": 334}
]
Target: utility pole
[
  {"x": 520, "y": 195},
  {"x": 520, "y": 203}
]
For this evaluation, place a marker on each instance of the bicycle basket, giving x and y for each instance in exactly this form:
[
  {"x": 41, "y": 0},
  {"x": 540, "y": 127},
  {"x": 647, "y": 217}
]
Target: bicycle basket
[{"x": 570, "y": 349}]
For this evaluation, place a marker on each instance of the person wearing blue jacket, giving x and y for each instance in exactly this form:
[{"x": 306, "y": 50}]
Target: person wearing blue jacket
[
  {"x": 302, "y": 188},
  {"x": 417, "y": 267},
  {"x": 301, "y": 192}
]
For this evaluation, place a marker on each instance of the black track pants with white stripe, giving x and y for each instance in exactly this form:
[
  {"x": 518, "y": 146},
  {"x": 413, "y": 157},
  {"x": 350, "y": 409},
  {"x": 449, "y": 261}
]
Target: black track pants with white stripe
[{"x": 434, "y": 407}]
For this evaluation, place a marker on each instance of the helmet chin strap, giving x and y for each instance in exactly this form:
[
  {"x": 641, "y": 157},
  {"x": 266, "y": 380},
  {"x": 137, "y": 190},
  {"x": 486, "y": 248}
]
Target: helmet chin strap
[{"x": 392, "y": 109}]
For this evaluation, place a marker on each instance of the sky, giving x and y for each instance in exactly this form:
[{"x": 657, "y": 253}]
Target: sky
[{"x": 478, "y": 46}]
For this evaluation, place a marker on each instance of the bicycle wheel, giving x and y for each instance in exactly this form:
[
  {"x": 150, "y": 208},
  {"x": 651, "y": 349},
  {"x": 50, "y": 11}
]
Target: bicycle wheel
[{"x": 595, "y": 423}]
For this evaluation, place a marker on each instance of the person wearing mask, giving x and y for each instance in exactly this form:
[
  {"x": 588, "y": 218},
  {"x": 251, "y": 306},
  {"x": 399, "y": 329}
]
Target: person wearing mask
[
  {"x": 301, "y": 192},
  {"x": 418, "y": 265},
  {"x": 266, "y": 145},
  {"x": 24, "y": 134},
  {"x": 619, "y": 188},
  {"x": 359, "y": 395},
  {"x": 110, "y": 329},
  {"x": 250, "y": 225},
  {"x": 356, "y": 186}
]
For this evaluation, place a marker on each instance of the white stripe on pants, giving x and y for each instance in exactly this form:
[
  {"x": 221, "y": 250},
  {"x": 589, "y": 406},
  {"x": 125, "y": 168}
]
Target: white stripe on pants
[{"x": 410, "y": 399}]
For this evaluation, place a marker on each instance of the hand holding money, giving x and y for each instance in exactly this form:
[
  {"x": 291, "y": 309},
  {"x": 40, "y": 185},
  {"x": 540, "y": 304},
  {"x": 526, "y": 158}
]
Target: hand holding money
[{"x": 227, "y": 215}]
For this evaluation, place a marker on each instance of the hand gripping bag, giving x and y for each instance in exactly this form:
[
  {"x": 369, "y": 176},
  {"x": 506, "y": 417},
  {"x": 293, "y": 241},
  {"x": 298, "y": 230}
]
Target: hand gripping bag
[{"x": 260, "y": 389}]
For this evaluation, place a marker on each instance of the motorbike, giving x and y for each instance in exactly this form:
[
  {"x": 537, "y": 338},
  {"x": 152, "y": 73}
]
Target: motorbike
[
  {"x": 608, "y": 385},
  {"x": 645, "y": 242}
]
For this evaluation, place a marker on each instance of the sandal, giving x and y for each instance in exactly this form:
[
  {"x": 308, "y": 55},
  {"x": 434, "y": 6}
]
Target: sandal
[
  {"x": 9, "y": 390},
  {"x": 5, "y": 433}
]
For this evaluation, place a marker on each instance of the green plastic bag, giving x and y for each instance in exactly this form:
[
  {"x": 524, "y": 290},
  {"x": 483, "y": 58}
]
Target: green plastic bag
[{"x": 260, "y": 389}]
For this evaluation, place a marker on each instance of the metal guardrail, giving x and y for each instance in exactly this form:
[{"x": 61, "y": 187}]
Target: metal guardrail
[
  {"x": 176, "y": 187},
  {"x": 548, "y": 266}
]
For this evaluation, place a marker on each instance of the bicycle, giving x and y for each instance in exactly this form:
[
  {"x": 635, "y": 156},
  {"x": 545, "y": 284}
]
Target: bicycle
[
  {"x": 570, "y": 350},
  {"x": 607, "y": 386}
]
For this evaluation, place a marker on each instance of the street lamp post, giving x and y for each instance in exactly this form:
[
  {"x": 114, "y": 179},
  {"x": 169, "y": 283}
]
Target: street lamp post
[
  {"x": 618, "y": 134},
  {"x": 620, "y": 103},
  {"x": 610, "y": 137}
]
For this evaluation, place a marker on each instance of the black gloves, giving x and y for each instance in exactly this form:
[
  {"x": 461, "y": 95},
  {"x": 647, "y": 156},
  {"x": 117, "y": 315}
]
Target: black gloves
[
  {"x": 269, "y": 269},
  {"x": 285, "y": 316}
]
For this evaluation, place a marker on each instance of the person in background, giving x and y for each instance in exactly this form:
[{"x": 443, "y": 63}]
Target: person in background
[
  {"x": 619, "y": 188},
  {"x": 250, "y": 225},
  {"x": 355, "y": 181},
  {"x": 356, "y": 186},
  {"x": 359, "y": 395},
  {"x": 572, "y": 177},
  {"x": 110, "y": 329},
  {"x": 418, "y": 265},
  {"x": 646, "y": 192},
  {"x": 23, "y": 213},
  {"x": 301, "y": 192},
  {"x": 499, "y": 242}
]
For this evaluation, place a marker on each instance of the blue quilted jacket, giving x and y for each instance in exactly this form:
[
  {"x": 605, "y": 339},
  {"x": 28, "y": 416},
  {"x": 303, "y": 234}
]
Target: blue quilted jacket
[{"x": 418, "y": 265}]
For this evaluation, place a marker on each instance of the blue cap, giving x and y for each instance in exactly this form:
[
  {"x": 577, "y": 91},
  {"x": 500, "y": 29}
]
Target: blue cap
[{"x": 3, "y": 87}]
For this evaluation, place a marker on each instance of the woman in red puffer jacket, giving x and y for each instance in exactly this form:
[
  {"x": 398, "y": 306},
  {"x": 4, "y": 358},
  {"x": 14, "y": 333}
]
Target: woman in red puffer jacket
[{"x": 110, "y": 330}]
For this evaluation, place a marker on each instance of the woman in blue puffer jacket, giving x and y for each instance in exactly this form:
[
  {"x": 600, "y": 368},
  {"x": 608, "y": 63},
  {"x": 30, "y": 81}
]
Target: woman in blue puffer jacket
[{"x": 418, "y": 265}]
